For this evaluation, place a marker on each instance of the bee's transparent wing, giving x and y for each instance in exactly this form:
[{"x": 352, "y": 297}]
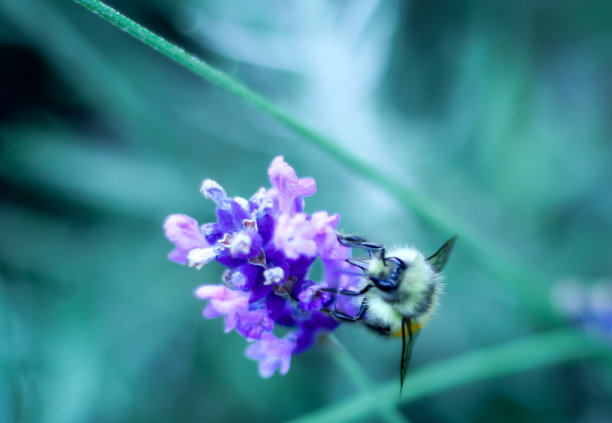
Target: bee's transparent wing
[
  {"x": 440, "y": 257},
  {"x": 407, "y": 341}
]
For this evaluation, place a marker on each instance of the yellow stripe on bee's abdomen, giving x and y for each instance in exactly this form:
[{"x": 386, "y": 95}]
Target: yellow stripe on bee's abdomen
[{"x": 416, "y": 326}]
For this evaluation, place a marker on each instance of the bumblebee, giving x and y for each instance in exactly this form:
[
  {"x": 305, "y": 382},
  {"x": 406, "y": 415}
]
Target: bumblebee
[{"x": 398, "y": 291}]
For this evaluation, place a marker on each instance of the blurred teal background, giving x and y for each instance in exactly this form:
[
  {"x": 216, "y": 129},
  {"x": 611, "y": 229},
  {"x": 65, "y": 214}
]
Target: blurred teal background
[{"x": 500, "y": 111}]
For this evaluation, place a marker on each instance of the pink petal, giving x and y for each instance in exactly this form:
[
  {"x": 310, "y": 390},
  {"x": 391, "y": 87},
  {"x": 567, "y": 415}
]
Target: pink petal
[{"x": 184, "y": 232}]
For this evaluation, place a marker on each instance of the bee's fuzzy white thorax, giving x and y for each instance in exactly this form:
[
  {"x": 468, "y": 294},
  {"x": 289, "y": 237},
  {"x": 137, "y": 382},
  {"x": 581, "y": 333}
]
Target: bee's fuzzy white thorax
[{"x": 416, "y": 296}]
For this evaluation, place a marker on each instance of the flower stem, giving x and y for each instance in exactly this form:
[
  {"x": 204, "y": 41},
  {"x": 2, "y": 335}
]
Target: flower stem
[
  {"x": 388, "y": 411},
  {"x": 536, "y": 351},
  {"x": 531, "y": 289}
]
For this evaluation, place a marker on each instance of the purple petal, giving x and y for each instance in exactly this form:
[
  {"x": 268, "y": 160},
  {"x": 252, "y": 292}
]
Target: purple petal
[
  {"x": 273, "y": 354},
  {"x": 253, "y": 323},
  {"x": 244, "y": 277},
  {"x": 300, "y": 267},
  {"x": 230, "y": 322},
  {"x": 265, "y": 227},
  {"x": 223, "y": 301},
  {"x": 288, "y": 186},
  {"x": 178, "y": 256},
  {"x": 225, "y": 258},
  {"x": 326, "y": 236},
  {"x": 212, "y": 232},
  {"x": 240, "y": 213},
  {"x": 231, "y": 215},
  {"x": 210, "y": 312},
  {"x": 280, "y": 310},
  {"x": 336, "y": 274},
  {"x": 276, "y": 258},
  {"x": 184, "y": 232},
  {"x": 261, "y": 202},
  {"x": 307, "y": 186},
  {"x": 294, "y": 235},
  {"x": 213, "y": 191},
  {"x": 260, "y": 290},
  {"x": 312, "y": 298},
  {"x": 309, "y": 328}
]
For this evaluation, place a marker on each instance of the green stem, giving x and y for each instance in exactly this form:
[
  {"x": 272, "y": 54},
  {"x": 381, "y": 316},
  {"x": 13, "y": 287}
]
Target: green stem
[
  {"x": 351, "y": 367},
  {"x": 529, "y": 353},
  {"x": 531, "y": 290}
]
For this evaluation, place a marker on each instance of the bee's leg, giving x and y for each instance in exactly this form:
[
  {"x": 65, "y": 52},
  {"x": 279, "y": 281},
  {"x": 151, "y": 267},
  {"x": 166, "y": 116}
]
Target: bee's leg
[
  {"x": 351, "y": 240},
  {"x": 357, "y": 263},
  {"x": 343, "y": 316},
  {"x": 354, "y": 241},
  {"x": 347, "y": 292}
]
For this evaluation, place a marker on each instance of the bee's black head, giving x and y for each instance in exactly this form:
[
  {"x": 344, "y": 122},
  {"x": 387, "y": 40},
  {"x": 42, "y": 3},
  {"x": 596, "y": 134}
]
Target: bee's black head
[{"x": 393, "y": 280}]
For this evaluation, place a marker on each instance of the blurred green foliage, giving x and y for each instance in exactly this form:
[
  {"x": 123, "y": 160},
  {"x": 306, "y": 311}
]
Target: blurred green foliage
[{"x": 497, "y": 110}]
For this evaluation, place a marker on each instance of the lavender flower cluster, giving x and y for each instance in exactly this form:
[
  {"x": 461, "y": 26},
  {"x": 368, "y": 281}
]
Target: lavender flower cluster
[{"x": 268, "y": 244}]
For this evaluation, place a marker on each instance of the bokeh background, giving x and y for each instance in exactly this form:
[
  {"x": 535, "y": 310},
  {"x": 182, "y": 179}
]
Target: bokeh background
[{"x": 500, "y": 111}]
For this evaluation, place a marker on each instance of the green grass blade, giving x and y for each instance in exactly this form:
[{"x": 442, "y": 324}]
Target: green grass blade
[{"x": 536, "y": 351}]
